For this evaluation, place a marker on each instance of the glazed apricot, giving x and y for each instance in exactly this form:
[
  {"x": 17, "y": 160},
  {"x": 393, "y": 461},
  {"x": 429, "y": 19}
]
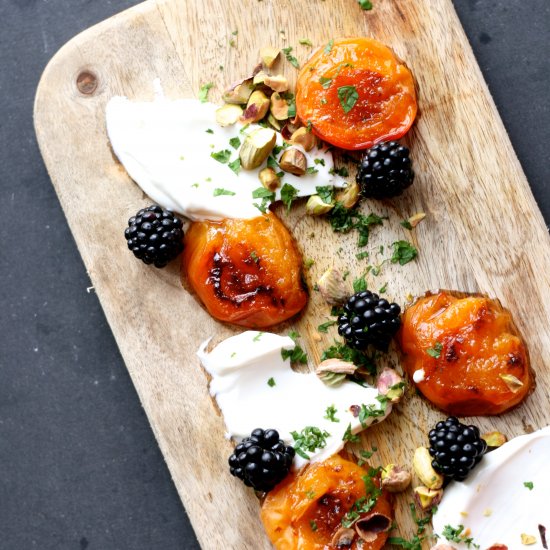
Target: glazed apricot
[
  {"x": 354, "y": 93},
  {"x": 246, "y": 272},
  {"x": 305, "y": 511},
  {"x": 473, "y": 359}
]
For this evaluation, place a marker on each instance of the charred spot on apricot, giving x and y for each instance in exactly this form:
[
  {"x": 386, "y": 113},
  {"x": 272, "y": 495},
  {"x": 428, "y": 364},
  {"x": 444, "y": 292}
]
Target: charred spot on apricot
[{"x": 450, "y": 354}]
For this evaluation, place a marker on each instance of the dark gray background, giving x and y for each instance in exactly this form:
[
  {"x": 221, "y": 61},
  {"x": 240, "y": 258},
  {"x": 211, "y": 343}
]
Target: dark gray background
[{"x": 79, "y": 467}]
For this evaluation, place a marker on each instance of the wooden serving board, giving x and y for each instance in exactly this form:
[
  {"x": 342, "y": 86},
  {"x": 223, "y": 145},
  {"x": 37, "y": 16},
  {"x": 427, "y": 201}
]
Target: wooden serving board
[{"x": 483, "y": 231}]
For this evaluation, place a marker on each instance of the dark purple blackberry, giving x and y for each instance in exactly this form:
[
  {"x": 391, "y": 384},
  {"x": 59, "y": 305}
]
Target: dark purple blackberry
[
  {"x": 385, "y": 171},
  {"x": 155, "y": 235},
  {"x": 368, "y": 319},
  {"x": 261, "y": 460},
  {"x": 455, "y": 448}
]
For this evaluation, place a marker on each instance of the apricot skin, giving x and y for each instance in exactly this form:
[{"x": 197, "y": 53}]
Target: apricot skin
[
  {"x": 475, "y": 343},
  {"x": 319, "y": 495},
  {"x": 245, "y": 271}
]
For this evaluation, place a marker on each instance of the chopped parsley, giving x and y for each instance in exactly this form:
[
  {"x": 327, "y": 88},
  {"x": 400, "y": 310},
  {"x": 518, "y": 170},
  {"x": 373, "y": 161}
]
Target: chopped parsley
[
  {"x": 235, "y": 165},
  {"x": 296, "y": 355},
  {"x": 311, "y": 170},
  {"x": 370, "y": 411},
  {"x": 291, "y": 59},
  {"x": 326, "y": 193},
  {"x": 203, "y": 92},
  {"x": 362, "y": 255},
  {"x": 209, "y": 131},
  {"x": 308, "y": 262},
  {"x": 360, "y": 284},
  {"x": 416, "y": 542},
  {"x": 330, "y": 413},
  {"x": 365, "y": 4},
  {"x": 235, "y": 142},
  {"x": 403, "y": 252},
  {"x": 271, "y": 382},
  {"x": 454, "y": 534},
  {"x": 342, "y": 171},
  {"x": 528, "y": 484},
  {"x": 254, "y": 257},
  {"x": 313, "y": 525},
  {"x": 365, "y": 455},
  {"x": 364, "y": 504},
  {"x": 344, "y": 219},
  {"x": 222, "y": 156},
  {"x": 435, "y": 352},
  {"x": 288, "y": 194},
  {"x": 221, "y": 191},
  {"x": 257, "y": 337},
  {"x": 383, "y": 288},
  {"x": 325, "y": 82},
  {"x": 309, "y": 440},
  {"x": 406, "y": 224},
  {"x": 349, "y": 436},
  {"x": 319, "y": 161},
  {"x": 341, "y": 351},
  {"x": 348, "y": 97},
  {"x": 267, "y": 197},
  {"x": 323, "y": 327},
  {"x": 328, "y": 47},
  {"x": 306, "y": 42},
  {"x": 310, "y": 495}
]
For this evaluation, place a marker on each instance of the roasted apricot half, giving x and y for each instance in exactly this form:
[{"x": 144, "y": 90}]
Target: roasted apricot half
[
  {"x": 354, "y": 93},
  {"x": 465, "y": 354},
  {"x": 326, "y": 504},
  {"x": 245, "y": 271}
]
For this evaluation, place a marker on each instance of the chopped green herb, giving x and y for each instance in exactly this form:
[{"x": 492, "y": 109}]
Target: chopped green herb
[
  {"x": 234, "y": 354},
  {"x": 364, "y": 504},
  {"x": 291, "y": 59},
  {"x": 296, "y": 355},
  {"x": 341, "y": 351},
  {"x": 313, "y": 525},
  {"x": 294, "y": 335},
  {"x": 454, "y": 534},
  {"x": 528, "y": 484},
  {"x": 324, "y": 101},
  {"x": 319, "y": 161},
  {"x": 266, "y": 195},
  {"x": 235, "y": 142},
  {"x": 244, "y": 128},
  {"x": 342, "y": 171},
  {"x": 435, "y": 352},
  {"x": 330, "y": 412},
  {"x": 306, "y": 42},
  {"x": 308, "y": 262},
  {"x": 235, "y": 33},
  {"x": 203, "y": 92},
  {"x": 288, "y": 194},
  {"x": 362, "y": 255},
  {"x": 235, "y": 165},
  {"x": 365, "y": 4},
  {"x": 309, "y": 440},
  {"x": 326, "y": 193},
  {"x": 365, "y": 455},
  {"x": 310, "y": 495},
  {"x": 271, "y": 382},
  {"x": 324, "y": 326},
  {"x": 291, "y": 108},
  {"x": 383, "y": 288},
  {"x": 360, "y": 284},
  {"x": 325, "y": 82},
  {"x": 195, "y": 185},
  {"x": 209, "y": 131},
  {"x": 406, "y": 224},
  {"x": 344, "y": 219},
  {"x": 348, "y": 97},
  {"x": 257, "y": 337},
  {"x": 254, "y": 257},
  {"x": 348, "y": 436},
  {"x": 328, "y": 47},
  {"x": 232, "y": 43},
  {"x": 222, "y": 156},
  {"x": 403, "y": 252},
  {"x": 370, "y": 411},
  {"x": 221, "y": 191}
]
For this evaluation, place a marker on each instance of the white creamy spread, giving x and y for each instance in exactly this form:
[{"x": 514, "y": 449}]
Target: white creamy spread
[
  {"x": 166, "y": 146},
  {"x": 255, "y": 388},
  {"x": 496, "y": 502},
  {"x": 419, "y": 375}
]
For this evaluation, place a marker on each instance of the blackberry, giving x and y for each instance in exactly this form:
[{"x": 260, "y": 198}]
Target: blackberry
[
  {"x": 455, "y": 448},
  {"x": 261, "y": 460},
  {"x": 155, "y": 235},
  {"x": 368, "y": 319},
  {"x": 385, "y": 171}
]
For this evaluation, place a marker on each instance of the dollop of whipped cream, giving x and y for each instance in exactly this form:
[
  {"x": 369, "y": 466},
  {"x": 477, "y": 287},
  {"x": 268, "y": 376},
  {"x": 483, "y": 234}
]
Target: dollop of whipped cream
[
  {"x": 166, "y": 146},
  {"x": 505, "y": 498},
  {"x": 256, "y": 388}
]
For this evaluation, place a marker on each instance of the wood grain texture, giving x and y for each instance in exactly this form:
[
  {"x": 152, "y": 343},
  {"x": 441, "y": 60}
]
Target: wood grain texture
[{"x": 483, "y": 231}]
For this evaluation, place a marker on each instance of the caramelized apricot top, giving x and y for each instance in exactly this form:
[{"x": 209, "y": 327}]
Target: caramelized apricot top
[{"x": 473, "y": 359}]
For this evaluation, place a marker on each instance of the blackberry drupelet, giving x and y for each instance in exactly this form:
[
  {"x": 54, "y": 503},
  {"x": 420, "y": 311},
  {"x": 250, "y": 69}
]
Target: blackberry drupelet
[
  {"x": 455, "y": 448},
  {"x": 368, "y": 319},
  {"x": 385, "y": 171},
  {"x": 155, "y": 235},
  {"x": 261, "y": 460}
]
